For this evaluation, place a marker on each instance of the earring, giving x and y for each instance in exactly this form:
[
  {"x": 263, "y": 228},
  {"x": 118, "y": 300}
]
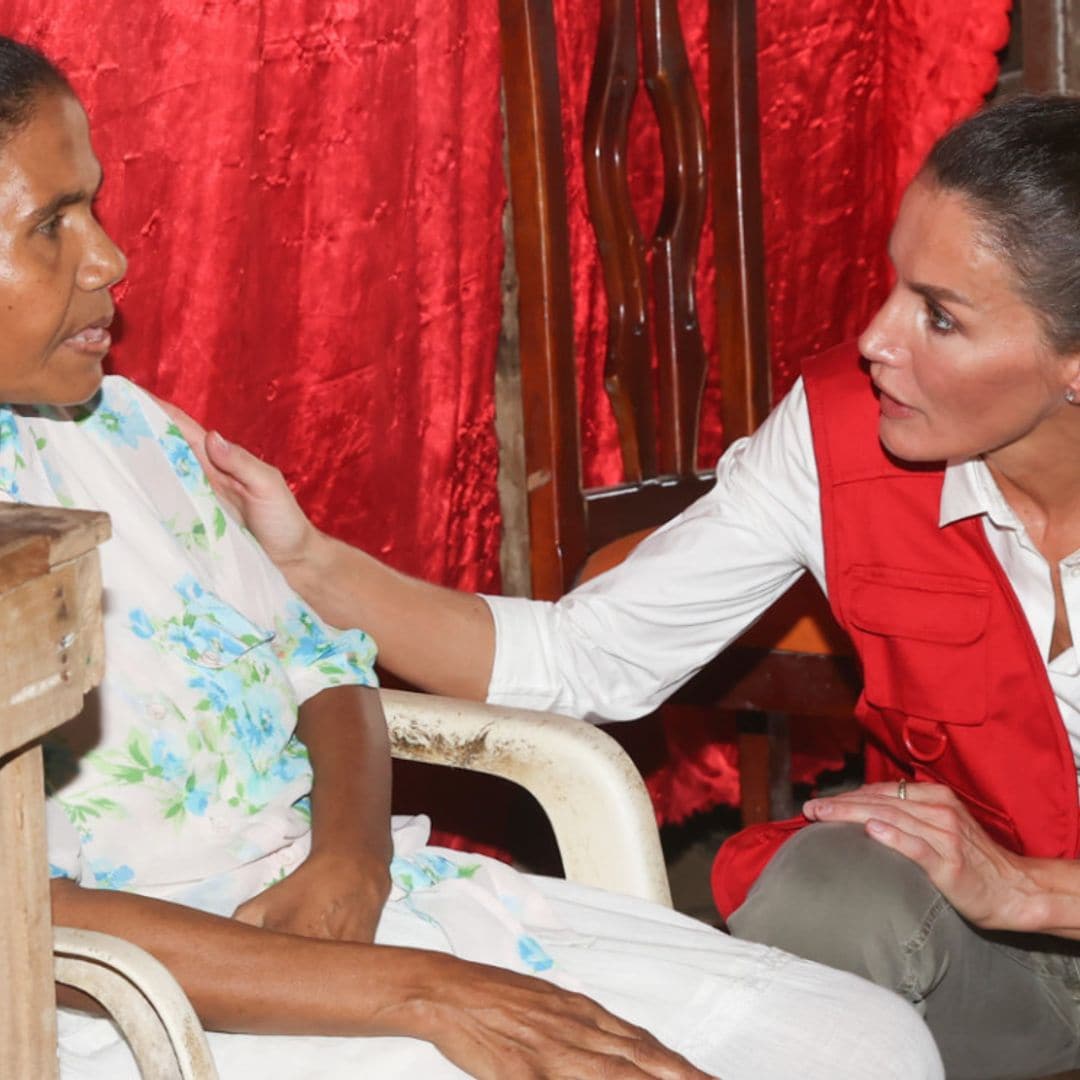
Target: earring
[{"x": 1070, "y": 395}]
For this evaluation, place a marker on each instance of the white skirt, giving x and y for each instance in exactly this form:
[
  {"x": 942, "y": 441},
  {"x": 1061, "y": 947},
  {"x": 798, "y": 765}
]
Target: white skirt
[{"x": 735, "y": 1009}]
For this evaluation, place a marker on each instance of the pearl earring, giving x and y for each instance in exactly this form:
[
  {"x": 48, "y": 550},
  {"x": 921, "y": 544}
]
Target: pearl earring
[{"x": 1070, "y": 395}]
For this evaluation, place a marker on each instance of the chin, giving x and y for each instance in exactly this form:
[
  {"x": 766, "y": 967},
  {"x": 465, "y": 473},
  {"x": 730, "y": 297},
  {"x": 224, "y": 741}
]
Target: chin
[
  {"x": 912, "y": 451},
  {"x": 77, "y": 391}
]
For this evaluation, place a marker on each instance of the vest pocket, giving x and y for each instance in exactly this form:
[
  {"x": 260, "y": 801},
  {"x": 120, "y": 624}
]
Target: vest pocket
[{"x": 922, "y": 642}]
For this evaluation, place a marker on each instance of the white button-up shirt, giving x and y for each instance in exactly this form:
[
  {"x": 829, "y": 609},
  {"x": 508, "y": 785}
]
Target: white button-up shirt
[{"x": 616, "y": 647}]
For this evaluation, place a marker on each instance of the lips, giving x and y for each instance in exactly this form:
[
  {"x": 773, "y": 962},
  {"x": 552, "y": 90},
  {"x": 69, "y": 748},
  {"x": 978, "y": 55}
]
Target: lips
[
  {"x": 891, "y": 408},
  {"x": 94, "y": 337}
]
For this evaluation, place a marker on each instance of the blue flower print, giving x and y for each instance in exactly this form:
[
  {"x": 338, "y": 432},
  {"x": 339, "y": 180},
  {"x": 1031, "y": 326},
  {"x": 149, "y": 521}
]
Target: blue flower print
[
  {"x": 118, "y": 418},
  {"x": 210, "y": 626},
  {"x": 141, "y": 626},
  {"x": 11, "y": 460},
  {"x": 221, "y": 689},
  {"x": 303, "y": 640},
  {"x": 162, "y": 757},
  {"x": 107, "y": 876},
  {"x": 189, "y": 590},
  {"x": 424, "y": 869},
  {"x": 56, "y": 872},
  {"x": 196, "y": 801},
  {"x": 293, "y": 763},
  {"x": 311, "y": 643},
  {"x": 259, "y": 730},
  {"x": 205, "y": 641},
  {"x": 182, "y": 459},
  {"x": 533, "y": 955}
]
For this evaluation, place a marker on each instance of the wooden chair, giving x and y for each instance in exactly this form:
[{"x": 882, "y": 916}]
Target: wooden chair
[{"x": 787, "y": 663}]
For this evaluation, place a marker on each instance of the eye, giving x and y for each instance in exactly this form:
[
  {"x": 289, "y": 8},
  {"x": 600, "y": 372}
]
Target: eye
[
  {"x": 51, "y": 226},
  {"x": 939, "y": 320}
]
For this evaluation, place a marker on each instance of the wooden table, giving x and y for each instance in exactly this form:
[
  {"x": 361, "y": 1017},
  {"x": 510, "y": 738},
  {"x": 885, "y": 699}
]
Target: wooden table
[{"x": 51, "y": 654}]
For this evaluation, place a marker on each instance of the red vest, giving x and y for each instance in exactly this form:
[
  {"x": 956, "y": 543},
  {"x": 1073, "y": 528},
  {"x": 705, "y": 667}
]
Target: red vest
[{"x": 955, "y": 689}]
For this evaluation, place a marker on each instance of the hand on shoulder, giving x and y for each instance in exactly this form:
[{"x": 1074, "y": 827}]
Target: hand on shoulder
[{"x": 254, "y": 491}]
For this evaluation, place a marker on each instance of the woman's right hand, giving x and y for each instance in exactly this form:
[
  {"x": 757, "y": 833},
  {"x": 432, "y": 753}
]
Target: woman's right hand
[
  {"x": 253, "y": 490},
  {"x": 498, "y": 1025}
]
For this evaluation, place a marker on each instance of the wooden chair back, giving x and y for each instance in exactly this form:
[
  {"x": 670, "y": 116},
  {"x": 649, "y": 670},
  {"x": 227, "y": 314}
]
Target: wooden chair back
[
  {"x": 649, "y": 282},
  {"x": 655, "y": 363}
]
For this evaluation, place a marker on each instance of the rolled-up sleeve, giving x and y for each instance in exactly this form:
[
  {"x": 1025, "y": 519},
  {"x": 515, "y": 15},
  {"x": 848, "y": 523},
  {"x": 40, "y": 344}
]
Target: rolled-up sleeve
[{"x": 617, "y": 646}]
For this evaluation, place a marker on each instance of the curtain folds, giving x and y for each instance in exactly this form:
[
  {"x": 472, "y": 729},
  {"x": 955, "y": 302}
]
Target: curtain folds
[{"x": 310, "y": 191}]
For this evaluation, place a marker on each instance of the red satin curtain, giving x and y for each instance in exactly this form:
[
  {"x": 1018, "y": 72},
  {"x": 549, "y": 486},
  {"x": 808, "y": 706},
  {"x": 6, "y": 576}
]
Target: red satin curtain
[
  {"x": 310, "y": 191},
  {"x": 853, "y": 93}
]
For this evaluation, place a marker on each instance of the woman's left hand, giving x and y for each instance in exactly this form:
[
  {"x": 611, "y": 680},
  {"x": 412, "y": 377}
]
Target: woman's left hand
[
  {"x": 987, "y": 884},
  {"x": 330, "y": 896}
]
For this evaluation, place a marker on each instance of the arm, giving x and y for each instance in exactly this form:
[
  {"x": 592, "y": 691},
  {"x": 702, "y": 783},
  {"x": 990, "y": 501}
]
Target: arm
[
  {"x": 612, "y": 649},
  {"x": 340, "y": 889},
  {"x": 992, "y": 887},
  {"x": 435, "y": 638},
  {"x": 496, "y": 1025}
]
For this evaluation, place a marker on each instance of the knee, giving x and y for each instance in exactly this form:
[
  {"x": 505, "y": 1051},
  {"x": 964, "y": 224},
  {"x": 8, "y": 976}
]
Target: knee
[{"x": 833, "y": 895}]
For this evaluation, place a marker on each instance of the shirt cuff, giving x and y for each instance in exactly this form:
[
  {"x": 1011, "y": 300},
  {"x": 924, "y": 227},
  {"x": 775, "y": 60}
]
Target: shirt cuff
[{"x": 519, "y": 653}]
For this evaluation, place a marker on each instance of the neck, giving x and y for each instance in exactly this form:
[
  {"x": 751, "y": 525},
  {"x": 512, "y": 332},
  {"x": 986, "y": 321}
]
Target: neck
[{"x": 1040, "y": 478}]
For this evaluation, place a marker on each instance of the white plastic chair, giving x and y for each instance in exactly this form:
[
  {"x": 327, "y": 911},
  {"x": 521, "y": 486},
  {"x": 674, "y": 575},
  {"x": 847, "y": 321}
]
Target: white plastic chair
[
  {"x": 145, "y": 1002},
  {"x": 592, "y": 793}
]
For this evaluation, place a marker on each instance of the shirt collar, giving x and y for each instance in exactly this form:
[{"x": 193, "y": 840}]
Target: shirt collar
[{"x": 969, "y": 490}]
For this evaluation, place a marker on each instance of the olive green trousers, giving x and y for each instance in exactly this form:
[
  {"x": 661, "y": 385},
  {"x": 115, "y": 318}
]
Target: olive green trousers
[{"x": 1000, "y": 1006}]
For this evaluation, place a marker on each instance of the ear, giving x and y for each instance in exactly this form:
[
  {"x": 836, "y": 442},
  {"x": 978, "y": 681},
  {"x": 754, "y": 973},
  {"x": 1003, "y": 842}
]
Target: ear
[{"x": 1071, "y": 372}]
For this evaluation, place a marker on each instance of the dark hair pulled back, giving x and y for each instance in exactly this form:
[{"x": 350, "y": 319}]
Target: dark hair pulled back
[
  {"x": 24, "y": 74},
  {"x": 1018, "y": 165}
]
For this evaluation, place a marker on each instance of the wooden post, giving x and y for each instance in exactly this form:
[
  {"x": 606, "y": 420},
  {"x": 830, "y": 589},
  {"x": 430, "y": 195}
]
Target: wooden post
[{"x": 51, "y": 654}]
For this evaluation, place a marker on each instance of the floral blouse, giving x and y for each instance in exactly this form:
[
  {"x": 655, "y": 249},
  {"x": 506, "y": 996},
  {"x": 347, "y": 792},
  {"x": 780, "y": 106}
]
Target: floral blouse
[{"x": 183, "y": 778}]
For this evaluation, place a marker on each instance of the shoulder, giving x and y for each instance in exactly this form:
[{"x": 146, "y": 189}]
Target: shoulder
[{"x": 116, "y": 414}]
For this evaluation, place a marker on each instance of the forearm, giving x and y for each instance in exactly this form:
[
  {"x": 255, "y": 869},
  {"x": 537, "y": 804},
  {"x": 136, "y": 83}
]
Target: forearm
[
  {"x": 490, "y": 1023},
  {"x": 435, "y": 638},
  {"x": 247, "y": 979},
  {"x": 345, "y": 733}
]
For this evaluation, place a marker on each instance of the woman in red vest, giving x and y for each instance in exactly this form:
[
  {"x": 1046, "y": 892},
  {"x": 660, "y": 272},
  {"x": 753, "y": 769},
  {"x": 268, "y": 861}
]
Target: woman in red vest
[
  {"x": 224, "y": 803},
  {"x": 929, "y": 478}
]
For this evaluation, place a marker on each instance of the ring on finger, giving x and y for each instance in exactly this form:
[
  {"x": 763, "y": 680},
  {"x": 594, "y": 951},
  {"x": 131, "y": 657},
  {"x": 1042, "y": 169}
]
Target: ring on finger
[{"x": 901, "y": 790}]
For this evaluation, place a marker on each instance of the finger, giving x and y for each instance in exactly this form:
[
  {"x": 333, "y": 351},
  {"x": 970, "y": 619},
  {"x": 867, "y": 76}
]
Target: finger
[
  {"x": 916, "y": 848},
  {"x": 921, "y": 833},
  {"x": 655, "y": 1059},
  {"x": 615, "y": 1039},
  {"x": 906, "y": 814},
  {"x": 240, "y": 465},
  {"x": 900, "y": 813}
]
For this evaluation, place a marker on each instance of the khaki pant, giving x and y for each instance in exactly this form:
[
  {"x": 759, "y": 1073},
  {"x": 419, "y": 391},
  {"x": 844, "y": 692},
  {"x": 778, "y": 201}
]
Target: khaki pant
[{"x": 999, "y": 1005}]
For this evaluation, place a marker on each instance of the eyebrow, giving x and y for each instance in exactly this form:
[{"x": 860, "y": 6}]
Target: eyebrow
[
  {"x": 69, "y": 198},
  {"x": 937, "y": 293}
]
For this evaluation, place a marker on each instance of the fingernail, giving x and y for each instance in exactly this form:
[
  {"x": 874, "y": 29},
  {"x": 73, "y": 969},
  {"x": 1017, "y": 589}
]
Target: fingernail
[{"x": 220, "y": 439}]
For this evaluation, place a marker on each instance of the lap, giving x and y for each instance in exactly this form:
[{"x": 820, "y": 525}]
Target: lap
[
  {"x": 998, "y": 1004},
  {"x": 734, "y": 1008}
]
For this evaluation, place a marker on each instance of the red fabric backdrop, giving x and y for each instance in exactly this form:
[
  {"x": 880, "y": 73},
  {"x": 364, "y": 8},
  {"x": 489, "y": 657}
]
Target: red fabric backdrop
[{"x": 309, "y": 192}]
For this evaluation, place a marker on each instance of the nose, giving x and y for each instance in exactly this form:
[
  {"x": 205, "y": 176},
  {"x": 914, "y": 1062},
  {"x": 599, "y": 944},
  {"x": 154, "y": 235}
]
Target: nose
[
  {"x": 881, "y": 342},
  {"x": 103, "y": 263}
]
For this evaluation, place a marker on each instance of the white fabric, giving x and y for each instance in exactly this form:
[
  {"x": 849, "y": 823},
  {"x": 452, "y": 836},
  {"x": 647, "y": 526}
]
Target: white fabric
[
  {"x": 208, "y": 656},
  {"x": 616, "y": 647},
  {"x": 738, "y": 1010}
]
